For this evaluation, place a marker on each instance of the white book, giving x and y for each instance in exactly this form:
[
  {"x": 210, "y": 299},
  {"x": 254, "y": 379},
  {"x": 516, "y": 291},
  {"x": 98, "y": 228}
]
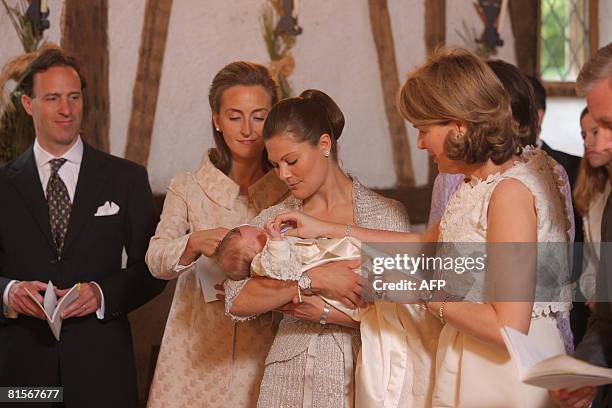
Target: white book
[
  {"x": 53, "y": 309},
  {"x": 542, "y": 368}
]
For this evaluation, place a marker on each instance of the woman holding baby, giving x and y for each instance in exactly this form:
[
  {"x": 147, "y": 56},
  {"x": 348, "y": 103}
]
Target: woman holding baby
[
  {"x": 206, "y": 360},
  {"x": 312, "y": 359}
]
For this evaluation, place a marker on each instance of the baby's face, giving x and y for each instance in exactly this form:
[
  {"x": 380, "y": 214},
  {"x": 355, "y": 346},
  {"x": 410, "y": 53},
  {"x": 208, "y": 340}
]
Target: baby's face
[{"x": 253, "y": 238}]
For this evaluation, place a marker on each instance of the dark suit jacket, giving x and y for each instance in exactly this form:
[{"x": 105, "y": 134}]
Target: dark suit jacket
[{"x": 94, "y": 359}]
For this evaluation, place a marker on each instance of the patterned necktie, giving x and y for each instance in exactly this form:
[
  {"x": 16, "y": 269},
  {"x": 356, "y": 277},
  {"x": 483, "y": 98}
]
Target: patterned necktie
[{"x": 59, "y": 205}]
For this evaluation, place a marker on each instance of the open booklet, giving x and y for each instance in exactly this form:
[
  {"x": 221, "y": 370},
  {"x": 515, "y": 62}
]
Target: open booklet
[
  {"x": 542, "y": 368},
  {"x": 53, "y": 309}
]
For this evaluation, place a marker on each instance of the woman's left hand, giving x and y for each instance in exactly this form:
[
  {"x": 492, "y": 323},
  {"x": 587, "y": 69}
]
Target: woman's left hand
[
  {"x": 309, "y": 309},
  {"x": 580, "y": 398}
]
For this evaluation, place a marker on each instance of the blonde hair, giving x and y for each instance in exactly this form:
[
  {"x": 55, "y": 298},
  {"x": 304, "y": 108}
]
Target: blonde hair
[
  {"x": 597, "y": 68},
  {"x": 456, "y": 85},
  {"x": 590, "y": 181}
]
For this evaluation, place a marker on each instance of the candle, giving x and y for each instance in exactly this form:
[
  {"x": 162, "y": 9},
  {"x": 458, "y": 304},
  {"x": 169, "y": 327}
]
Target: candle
[{"x": 43, "y": 6}]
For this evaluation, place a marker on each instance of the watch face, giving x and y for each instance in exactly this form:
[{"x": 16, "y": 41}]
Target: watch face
[{"x": 426, "y": 295}]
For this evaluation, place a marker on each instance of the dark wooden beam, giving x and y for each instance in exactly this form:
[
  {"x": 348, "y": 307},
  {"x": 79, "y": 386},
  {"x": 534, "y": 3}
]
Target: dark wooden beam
[
  {"x": 146, "y": 87},
  {"x": 525, "y": 22},
  {"x": 435, "y": 36},
  {"x": 380, "y": 23},
  {"x": 435, "y": 24},
  {"x": 84, "y": 35}
]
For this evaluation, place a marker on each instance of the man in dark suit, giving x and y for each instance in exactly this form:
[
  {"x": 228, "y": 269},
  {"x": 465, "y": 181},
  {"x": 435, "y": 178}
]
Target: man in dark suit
[
  {"x": 595, "y": 82},
  {"x": 67, "y": 211}
]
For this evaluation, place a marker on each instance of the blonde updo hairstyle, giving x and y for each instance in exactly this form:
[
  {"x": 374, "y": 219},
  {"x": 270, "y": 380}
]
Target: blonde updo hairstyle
[{"x": 455, "y": 85}]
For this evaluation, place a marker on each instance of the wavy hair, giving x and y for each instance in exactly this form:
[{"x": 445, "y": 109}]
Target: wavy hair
[{"x": 456, "y": 85}]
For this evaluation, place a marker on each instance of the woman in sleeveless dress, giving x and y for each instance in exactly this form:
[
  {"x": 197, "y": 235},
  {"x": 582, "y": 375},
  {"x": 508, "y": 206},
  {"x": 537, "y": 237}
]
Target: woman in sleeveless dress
[{"x": 510, "y": 195}]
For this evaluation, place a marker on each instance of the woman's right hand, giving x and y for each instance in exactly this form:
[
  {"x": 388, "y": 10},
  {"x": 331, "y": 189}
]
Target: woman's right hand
[
  {"x": 591, "y": 304},
  {"x": 207, "y": 241},
  {"x": 203, "y": 242},
  {"x": 306, "y": 226},
  {"x": 336, "y": 280}
]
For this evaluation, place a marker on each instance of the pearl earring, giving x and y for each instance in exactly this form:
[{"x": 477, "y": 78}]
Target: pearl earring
[{"x": 218, "y": 130}]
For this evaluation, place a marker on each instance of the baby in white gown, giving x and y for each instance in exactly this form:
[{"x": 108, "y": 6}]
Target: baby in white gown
[
  {"x": 391, "y": 348},
  {"x": 250, "y": 251}
]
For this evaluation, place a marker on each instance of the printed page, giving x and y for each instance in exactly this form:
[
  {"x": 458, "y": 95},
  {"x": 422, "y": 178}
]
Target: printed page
[
  {"x": 567, "y": 372},
  {"x": 524, "y": 352},
  {"x": 56, "y": 322}
]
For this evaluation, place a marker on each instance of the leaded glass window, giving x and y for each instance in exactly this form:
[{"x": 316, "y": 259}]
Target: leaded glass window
[{"x": 564, "y": 39}]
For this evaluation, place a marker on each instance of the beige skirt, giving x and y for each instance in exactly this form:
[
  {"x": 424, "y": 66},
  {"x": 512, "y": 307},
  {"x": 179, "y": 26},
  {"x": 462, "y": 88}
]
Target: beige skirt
[{"x": 470, "y": 373}]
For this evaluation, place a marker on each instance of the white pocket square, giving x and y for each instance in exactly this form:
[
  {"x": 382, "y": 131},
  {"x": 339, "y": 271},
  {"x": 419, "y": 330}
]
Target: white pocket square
[{"x": 106, "y": 209}]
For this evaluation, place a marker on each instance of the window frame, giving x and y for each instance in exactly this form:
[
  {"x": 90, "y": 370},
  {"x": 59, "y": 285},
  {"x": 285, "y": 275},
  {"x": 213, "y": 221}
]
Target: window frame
[{"x": 567, "y": 88}]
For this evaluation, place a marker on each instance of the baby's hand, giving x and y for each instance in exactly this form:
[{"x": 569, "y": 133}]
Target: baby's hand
[{"x": 273, "y": 231}]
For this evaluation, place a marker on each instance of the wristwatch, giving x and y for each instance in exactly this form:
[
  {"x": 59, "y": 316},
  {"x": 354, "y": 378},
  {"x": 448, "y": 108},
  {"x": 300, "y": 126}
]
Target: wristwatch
[
  {"x": 424, "y": 297},
  {"x": 305, "y": 284}
]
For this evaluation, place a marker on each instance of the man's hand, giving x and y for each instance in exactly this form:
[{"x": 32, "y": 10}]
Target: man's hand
[
  {"x": 21, "y": 302},
  {"x": 88, "y": 302},
  {"x": 336, "y": 280},
  {"x": 580, "y": 398}
]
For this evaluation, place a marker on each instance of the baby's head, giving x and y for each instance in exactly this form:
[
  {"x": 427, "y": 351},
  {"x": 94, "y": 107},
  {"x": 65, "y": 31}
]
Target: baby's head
[{"x": 238, "y": 248}]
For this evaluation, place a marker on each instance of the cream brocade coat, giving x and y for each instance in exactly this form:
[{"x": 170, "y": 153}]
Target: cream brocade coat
[{"x": 206, "y": 360}]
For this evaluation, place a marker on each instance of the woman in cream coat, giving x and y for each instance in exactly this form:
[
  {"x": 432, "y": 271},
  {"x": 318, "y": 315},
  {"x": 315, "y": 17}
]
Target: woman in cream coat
[{"x": 206, "y": 360}]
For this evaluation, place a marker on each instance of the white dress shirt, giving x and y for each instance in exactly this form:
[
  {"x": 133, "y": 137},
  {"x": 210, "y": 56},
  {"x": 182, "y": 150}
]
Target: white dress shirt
[{"x": 69, "y": 173}]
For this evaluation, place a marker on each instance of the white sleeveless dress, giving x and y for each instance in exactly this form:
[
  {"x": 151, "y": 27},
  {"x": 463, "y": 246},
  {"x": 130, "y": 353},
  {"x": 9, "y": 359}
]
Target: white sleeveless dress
[{"x": 471, "y": 373}]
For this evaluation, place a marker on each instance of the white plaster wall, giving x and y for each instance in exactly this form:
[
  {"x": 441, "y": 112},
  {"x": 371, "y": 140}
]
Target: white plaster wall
[
  {"x": 10, "y": 47},
  {"x": 335, "y": 53},
  {"x": 203, "y": 37},
  {"x": 340, "y": 58},
  {"x": 460, "y": 11},
  {"x": 561, "y": 126},
  {"x": 408, "y": 21},
  {"x": 126, "y": 19}
]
